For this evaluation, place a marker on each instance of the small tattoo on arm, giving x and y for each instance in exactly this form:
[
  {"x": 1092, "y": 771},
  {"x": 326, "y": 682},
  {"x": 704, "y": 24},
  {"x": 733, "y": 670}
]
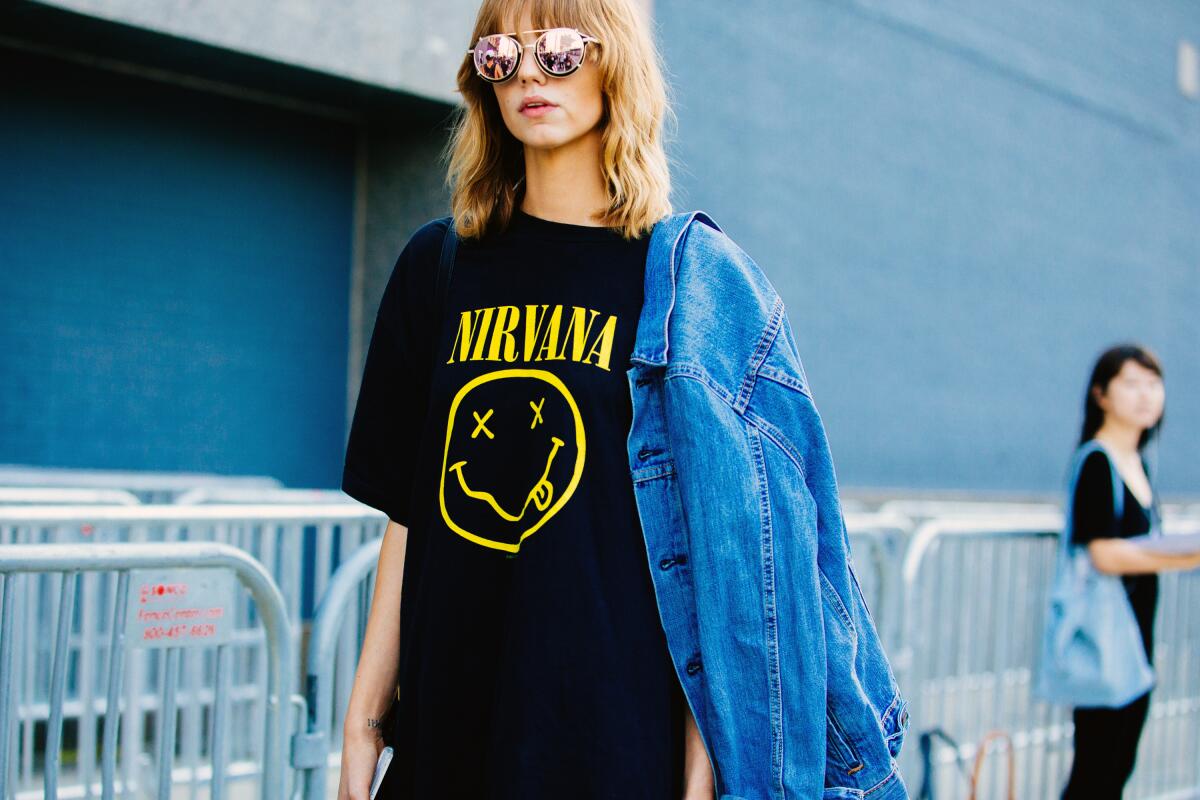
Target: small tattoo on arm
[{"x": 373, "y": 723}]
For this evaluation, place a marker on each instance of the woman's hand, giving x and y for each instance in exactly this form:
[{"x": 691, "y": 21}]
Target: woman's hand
[
  {"x": 360, "y": 751},
  {"x": 1114, "y": 556}
]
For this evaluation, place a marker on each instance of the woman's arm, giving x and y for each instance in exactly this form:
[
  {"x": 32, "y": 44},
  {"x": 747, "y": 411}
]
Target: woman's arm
[
  {"x": 1114, "y": 556},
  {"x": 375, "y": 677},
  {"x": 697, "y": 771}
]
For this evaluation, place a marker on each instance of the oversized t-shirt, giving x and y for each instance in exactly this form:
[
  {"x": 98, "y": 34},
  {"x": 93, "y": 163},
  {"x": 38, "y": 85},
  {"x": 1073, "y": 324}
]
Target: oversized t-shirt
[
  {"x": 533, "y": 663},
  {"x": 1093, "y": 517}
]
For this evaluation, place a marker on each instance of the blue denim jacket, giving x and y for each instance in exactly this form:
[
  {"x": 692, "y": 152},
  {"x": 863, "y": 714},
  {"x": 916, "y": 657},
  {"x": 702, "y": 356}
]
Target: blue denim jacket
[{"x": 777, "y": 653}]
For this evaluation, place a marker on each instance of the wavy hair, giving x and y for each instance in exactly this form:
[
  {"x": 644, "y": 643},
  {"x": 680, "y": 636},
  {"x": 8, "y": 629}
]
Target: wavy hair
[{"x": 487, "y": 163}]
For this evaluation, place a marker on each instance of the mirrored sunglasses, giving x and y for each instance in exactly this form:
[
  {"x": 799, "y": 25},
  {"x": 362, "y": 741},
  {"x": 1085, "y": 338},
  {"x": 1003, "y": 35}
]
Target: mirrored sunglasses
[{"x": 558, "y": 51}]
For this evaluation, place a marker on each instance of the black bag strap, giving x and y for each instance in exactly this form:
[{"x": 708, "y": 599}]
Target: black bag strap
[
  {"x": 445, "y": 272},
  {"x": 446, "y": 262}
]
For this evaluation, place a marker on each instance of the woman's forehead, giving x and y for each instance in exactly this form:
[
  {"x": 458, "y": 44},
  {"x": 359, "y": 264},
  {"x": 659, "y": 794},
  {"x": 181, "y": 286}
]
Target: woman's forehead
[{"x": 1131, "y": 368}]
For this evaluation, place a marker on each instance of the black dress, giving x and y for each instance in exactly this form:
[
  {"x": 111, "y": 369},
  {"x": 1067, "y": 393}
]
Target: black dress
[{"x": 1106, "y": 739}]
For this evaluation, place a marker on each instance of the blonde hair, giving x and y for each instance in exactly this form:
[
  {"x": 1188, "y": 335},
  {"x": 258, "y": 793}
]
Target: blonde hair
[{"x": 486, "y": 162}]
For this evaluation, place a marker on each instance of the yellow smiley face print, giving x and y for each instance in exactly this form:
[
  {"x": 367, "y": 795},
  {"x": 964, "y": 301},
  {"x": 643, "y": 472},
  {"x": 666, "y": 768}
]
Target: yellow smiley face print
[{"x": 514, "y": 454}]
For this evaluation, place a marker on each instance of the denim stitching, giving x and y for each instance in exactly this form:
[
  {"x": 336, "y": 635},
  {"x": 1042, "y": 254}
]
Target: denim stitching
[
  {"x": 774, "y": 677},
  {"x": 766, "y": 340},
  {"x": 775, "y": 435}
]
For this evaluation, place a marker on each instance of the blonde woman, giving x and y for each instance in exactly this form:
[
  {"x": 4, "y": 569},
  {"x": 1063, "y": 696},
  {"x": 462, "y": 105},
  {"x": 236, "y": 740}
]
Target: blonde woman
[
  {"x": 538, "y": 671},
  {"x": 604, "y": 573}
]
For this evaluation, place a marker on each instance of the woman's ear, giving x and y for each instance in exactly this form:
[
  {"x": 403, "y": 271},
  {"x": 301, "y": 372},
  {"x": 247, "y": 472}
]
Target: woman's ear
[{"x": 1098, "y": 395}]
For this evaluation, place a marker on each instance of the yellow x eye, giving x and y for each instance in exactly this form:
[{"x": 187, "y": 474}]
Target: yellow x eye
[
  {"x": 482, "y": 426},
  {"x": 537, "y": 412}
]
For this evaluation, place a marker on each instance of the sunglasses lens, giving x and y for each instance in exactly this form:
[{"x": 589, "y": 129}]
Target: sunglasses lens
[
  {"x": 496, "y": 57},
  {"x": 560, "y": 50}
]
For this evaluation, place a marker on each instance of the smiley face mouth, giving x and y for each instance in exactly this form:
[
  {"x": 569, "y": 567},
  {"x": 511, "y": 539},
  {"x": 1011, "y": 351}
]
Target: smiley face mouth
[{"x": 540, "y": 495}]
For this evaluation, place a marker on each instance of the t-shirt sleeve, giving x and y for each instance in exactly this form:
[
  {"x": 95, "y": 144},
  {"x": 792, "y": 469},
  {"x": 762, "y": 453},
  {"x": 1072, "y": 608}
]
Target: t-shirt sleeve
[
  {"x": 389, "y": 415},
  {"x": 1092, "y": 510}
]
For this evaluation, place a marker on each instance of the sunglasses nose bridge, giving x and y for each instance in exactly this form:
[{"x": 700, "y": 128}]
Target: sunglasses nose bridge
[{"x": 528, "y": 65}]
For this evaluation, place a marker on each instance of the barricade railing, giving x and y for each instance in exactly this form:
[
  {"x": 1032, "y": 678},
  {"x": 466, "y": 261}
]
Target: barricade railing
[
  {"x": 276, "y": 535},
  {"x": 263, "y": 496},
  {"x": 147, "y": 486},
  {"x": 165, "y": 585},
  {"x": 300, "y": 546},
  {"x": 922, "y": 509},
  {"x": 41, "y": 496},
  {"x": 336, "y": 639},
  {"x": 974, "y": 602}
]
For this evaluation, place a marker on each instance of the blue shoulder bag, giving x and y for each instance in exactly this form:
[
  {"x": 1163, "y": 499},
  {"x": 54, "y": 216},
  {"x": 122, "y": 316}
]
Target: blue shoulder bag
[{"x": 1092, "y": 652}]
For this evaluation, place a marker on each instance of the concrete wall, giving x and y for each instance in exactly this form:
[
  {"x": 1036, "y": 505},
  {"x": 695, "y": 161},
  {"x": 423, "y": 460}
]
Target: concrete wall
[
  {"x": 962, "y": 205},
  {"x": 401, "y": 187},
  {"x": 412, "y": 47}
]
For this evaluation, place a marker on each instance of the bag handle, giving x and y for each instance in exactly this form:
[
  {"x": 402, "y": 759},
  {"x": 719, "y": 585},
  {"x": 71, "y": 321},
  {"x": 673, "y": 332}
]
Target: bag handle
[
  {"x": 1118, "y": 487},
  {"x": 981, "y": 756}
]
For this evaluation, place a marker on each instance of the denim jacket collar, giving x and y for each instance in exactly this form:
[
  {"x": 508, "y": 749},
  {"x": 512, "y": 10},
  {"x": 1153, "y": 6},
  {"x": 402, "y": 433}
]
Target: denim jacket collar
[{"x": 650, "y": 342}]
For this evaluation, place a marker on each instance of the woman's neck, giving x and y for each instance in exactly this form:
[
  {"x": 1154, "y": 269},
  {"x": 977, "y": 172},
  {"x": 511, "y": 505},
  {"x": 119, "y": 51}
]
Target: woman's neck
[
  {"x": 566, "y": 184},
  {"x": 1122, "y": 439}
]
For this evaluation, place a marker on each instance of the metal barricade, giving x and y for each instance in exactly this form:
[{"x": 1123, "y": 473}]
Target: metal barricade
[
  {"x": 877, "y": 543},
  {"x": 32, "y": 565},
  {"x": 975, "y": 592},
  {"x": 1169, "y": 753},
  {"x": 281, "y": 538},
  {"x": 332, "y": 654}
]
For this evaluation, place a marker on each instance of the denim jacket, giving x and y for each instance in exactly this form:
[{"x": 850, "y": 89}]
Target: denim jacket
[{"x": 777, "y": 653}]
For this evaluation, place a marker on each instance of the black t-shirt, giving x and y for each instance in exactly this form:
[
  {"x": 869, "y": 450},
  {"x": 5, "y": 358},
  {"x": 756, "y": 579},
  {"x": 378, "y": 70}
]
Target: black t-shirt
[
  {"x": 1093, "y": 517},
  {"x": 533, "y": 663}
]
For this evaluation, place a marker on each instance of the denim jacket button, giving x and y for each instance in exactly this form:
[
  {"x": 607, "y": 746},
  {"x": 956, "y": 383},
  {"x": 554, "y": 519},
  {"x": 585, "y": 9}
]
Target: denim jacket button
[
  {"x": 666, "y": 563},
  {"x": 693, "y": 667}
]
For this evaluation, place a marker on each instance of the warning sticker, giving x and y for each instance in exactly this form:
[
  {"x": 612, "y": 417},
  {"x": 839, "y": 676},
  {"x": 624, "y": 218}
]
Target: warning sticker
[{"x": 180, "y": 607}]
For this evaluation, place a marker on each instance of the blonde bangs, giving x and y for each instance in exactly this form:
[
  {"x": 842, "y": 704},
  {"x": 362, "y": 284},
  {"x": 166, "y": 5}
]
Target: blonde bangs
[{"x": 486, "y": 162}]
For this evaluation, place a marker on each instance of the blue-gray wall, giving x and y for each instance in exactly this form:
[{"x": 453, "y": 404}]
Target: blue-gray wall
[
  {"x": 174, "y": 278},
  {"x": 961, "y": 204}
]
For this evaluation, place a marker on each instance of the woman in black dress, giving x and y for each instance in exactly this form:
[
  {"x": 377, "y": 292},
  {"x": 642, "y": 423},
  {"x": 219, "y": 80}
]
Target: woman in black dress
[
  {"x": 515, "y": 635},
  {"x": 1124, "y": 412}
]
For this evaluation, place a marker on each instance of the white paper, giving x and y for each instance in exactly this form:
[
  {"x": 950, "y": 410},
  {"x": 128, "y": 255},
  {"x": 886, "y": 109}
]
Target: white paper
[
  {"x": 385, "y": 758},
  {"x": 1175, "y": 543}
]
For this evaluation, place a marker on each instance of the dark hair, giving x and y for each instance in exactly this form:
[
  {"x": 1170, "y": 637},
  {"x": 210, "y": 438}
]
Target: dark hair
[{"x": 1107, "y": 366}]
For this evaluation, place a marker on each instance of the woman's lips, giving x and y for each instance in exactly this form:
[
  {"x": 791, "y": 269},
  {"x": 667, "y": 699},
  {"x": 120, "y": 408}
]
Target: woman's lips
[{"x": 537, "y": 111}]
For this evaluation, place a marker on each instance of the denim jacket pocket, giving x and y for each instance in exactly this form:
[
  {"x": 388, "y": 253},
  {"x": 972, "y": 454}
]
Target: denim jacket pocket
[
  {"x": 895, "y": 725},
  {"x": 841, "y": 756}
]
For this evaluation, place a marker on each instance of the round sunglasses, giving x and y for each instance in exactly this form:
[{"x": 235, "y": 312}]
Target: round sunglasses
[{"x": 558, "y": 51}]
